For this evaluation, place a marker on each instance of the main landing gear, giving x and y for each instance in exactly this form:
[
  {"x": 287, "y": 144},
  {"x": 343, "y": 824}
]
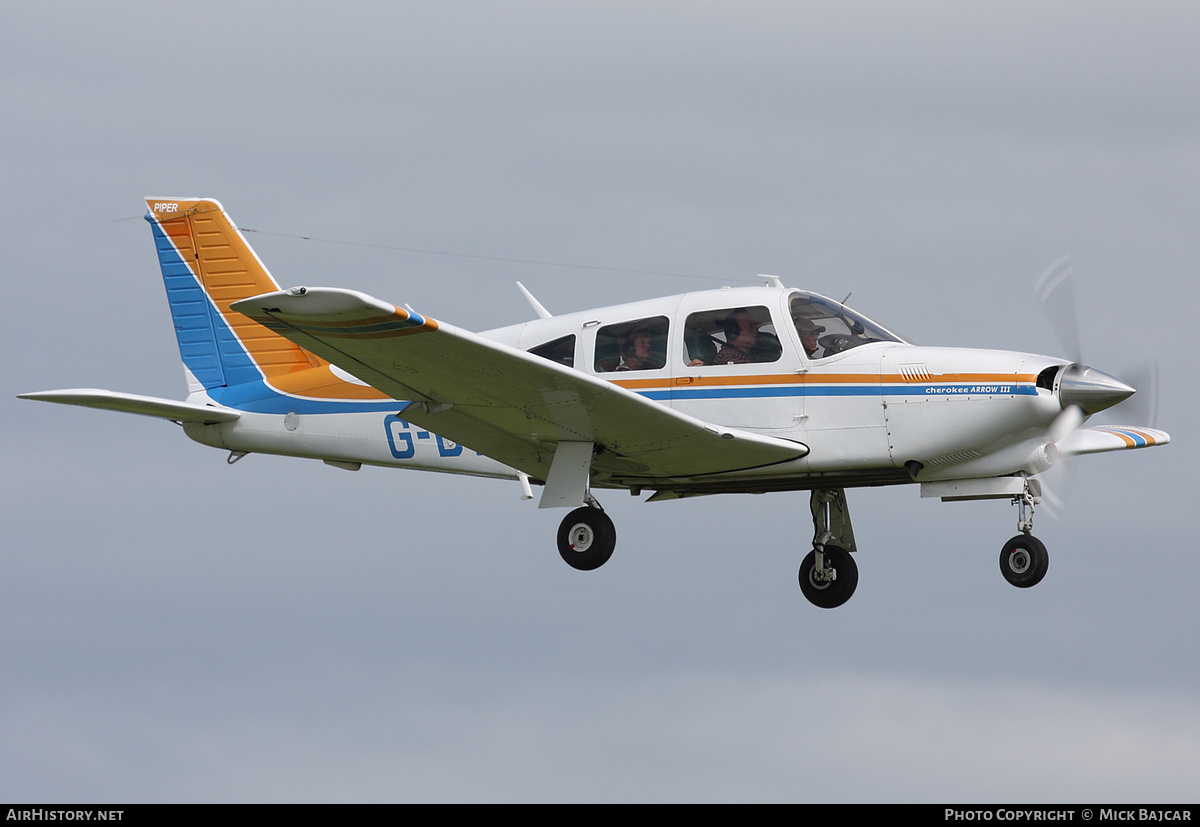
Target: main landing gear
[
  {"x": 829, "y": 575},
  {"x": 587, "y": 537},
  {"x": 1023, "y": 560}
]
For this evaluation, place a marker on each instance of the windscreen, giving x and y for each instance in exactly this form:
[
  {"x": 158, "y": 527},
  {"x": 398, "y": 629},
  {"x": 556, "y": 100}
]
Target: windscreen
[{"x": 827, "y": 328}]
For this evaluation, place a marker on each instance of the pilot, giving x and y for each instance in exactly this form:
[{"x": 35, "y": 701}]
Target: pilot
[
  {"x": 741, "y": 337},
  {"x": 638, "y": 351},
  {"x": 809, "y": 331}
]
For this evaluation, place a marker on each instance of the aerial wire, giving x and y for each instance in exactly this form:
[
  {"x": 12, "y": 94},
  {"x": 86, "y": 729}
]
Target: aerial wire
[
  {"x": 484, "y": 257},
  {"x": 478, "y": 256}
]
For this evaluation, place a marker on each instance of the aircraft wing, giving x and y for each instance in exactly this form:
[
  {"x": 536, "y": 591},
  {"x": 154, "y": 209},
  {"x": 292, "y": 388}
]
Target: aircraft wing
[
  {"x": 502, "y": 402},
  {"x": 1096, "y": 439}
]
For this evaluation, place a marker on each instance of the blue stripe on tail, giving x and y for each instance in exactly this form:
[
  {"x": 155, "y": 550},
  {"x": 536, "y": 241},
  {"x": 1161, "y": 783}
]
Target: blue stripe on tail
[{"x": 207, "y": 345}]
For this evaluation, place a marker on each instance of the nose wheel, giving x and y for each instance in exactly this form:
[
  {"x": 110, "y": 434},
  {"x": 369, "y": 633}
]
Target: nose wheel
[
  {"x": 586, "y": 538},
  {"x": 1023, "y": 561}
]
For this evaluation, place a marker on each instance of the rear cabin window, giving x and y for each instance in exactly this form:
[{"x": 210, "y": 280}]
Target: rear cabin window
[
  {"x": 637, "y": 345},
  {"x": 730, "y": 336},
  {"x": 559, "y": 350}
]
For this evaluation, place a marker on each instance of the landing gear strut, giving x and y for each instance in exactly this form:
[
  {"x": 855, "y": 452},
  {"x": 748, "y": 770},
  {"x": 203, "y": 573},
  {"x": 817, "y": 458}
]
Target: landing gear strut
[
  {"x": 1023, "y": 560},
  {"x": 829, "y": 575},
  {"x": 586, "y": 538}
]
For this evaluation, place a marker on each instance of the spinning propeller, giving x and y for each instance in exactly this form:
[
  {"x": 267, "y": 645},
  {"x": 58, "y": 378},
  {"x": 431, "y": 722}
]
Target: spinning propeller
[
  {"x": 1078, "y": 385},
  {"x": 1082, "y": 390}
]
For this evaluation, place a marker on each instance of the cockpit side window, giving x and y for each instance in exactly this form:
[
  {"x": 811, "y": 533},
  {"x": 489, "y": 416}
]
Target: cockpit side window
[
  {"x": 826, "y": 328},
  {"x": 637, "y": 345},
  {"x": 730, "y": 336},
  {"x": 561, "y": 350}
]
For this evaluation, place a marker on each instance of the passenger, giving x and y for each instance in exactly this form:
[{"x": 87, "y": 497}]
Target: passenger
[
  {"x": 809, "y": 331},
  {"x": 638, "y": 351},
  {"x": 741, "y": 337}
]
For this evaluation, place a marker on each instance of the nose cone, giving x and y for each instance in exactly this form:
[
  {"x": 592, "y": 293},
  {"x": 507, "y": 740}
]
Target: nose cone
[{"x": 1090, "y": 389}]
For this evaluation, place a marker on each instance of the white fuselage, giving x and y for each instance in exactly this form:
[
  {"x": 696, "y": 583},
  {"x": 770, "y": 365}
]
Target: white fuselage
[{"x": 867, "y": 413}]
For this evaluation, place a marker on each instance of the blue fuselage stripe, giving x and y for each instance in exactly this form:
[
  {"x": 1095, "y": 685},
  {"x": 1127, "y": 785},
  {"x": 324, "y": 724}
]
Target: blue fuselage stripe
[
  {"x": 259, "y": 397},
  {"x": 777, "y": 391}
]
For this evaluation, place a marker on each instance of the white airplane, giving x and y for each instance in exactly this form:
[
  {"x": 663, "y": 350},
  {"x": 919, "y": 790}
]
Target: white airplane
[{"x": 737, "y": 390}]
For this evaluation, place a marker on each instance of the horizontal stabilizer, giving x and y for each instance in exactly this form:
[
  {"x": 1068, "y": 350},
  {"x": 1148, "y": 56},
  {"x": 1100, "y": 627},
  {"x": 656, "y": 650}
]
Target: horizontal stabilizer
[{"x": 132, "y": 403}]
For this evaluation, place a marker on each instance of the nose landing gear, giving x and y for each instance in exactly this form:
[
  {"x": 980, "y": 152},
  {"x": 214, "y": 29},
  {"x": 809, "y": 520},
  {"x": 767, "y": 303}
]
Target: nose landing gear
[{"x": 1024, "y": 560}]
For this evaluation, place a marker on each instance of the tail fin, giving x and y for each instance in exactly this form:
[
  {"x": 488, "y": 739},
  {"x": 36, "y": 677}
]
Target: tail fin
[{"x": 207, "y": 265}]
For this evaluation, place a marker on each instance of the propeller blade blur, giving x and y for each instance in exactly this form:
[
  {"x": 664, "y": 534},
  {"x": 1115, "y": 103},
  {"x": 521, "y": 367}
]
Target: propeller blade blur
[{"x": 1057, "y": 297}]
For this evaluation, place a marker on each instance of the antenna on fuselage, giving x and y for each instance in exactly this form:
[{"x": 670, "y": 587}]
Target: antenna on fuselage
[
  {"x": 542, "y": 312},
  {"x": 772, "y": 281}
]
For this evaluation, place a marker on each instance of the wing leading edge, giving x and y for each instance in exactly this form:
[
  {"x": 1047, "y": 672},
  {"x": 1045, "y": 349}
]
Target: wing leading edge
[{"x": 502, "y": 402}]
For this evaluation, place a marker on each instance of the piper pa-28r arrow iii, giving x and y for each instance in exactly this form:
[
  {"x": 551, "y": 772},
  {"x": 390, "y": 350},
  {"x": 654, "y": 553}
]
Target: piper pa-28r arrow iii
[{"x": 737, "y": 390}]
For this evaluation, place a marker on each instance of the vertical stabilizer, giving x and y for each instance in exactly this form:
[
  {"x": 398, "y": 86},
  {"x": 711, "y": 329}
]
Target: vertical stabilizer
[{"x": 207, "y": 265}]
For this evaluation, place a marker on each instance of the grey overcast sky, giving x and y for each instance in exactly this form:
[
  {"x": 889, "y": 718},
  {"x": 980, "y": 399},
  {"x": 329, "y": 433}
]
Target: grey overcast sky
[{"x": 176, "y": 629}]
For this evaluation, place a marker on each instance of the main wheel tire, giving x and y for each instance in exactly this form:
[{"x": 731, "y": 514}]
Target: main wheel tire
[
  {"x": 1024, "y": 560},
  {"x": 586, "y": 538},
  {"x": 829, "y": 594}
]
